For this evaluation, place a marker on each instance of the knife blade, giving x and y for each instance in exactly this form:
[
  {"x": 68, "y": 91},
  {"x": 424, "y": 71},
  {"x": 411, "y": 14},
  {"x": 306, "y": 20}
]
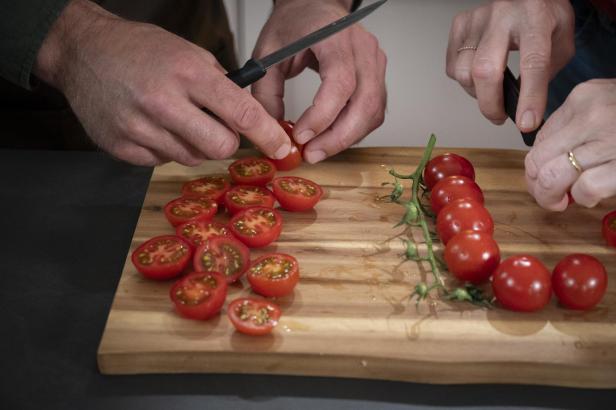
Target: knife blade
[
  {"x": 255, "y": 69},
  {"x": 511, "y": 91}
]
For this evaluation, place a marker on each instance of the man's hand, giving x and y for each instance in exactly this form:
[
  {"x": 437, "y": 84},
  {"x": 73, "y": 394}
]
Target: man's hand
[
  {"x": 351, "y": 100},
  {"x": 139, "y": 91}
]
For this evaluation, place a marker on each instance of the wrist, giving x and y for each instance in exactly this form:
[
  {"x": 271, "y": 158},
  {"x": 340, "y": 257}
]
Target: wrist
[{"x": 346, "y": 4}]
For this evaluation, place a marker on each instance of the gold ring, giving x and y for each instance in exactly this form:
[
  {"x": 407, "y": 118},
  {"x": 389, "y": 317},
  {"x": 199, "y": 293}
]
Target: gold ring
[
  {"x": 574, "y": 162},
  {"x": 474, "y": 48}
]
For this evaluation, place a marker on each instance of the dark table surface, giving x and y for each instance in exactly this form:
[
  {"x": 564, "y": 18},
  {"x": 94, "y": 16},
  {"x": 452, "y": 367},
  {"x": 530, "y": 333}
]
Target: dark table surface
[{"x": 67, "y": 220}]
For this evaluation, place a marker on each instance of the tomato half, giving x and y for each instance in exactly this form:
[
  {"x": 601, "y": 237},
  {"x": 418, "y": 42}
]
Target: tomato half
[
  {"x": 273, "y": 275},
  {"x": 199, "y": 295},
  {"x": 252, "y": 316},
  {"x": 609, "y": 228},
  {"x": 252, "y": 171},
  {"x": 463, "y": 215},
  {"x": 222, "y": 254},
  {"x": 451, "y": 188},
  {"x": 256, "y": 227},
  {"x": 184, "y": 209},
  {"x": 296, "y": 194},
  {"x": 248, "y": 196},
  {"x": 579, "y": 281},
  {"x": 197, "y": 232},
  {"x": 211, "y": 186},
  {"x": 162, "y": 257},
  {"x": 446, "y": 165},
  {"x": 472, "y": 256},
  {"x": 522, "y": 283}
]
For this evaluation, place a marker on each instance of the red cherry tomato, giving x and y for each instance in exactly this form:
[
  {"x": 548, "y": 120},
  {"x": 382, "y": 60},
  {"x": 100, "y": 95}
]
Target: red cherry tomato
[
  {"x": 197, "y": 232},
  {"x": 609, "y": 228},
  {"x": 248, "y": 196},
  {"x": 211, "y": 186},
  {"x": 296, "y": 194},
  {"x": 451, "y": 188},
  {"x": 252, "y": 316},
  {"x": 256, "y": 227},
  {"x": 447, "y": 165},
  {"x": 199, "y": 295},
  {"x": 252, "y": 171},
  {"x": 579, "y": 281},
  {"x": 190, "y": 208},
  {"x": 222, "y": 254},
  {"x": 294, "y": 159},
  {"x": 273, "y": 275},
  {"x": 522, "y": 283},
  {"x": 472, "y": 256},
  {"x": 162, "y": 257},
  {"x": 462, "y": 215}
]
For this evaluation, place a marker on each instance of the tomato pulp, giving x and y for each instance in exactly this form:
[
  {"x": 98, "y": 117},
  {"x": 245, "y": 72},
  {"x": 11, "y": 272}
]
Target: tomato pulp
[
  {"x": 522, "y": 283},
  {"x": 252, "y": 171},
  {"x": 256, "y": 227},
  {"x": 462, "y": 215},
  {"x": 252, "y": 316},
  {"x": 225, "y": 255},
  {"x": 274, "y": 275},
  {"x": 296, "y": 194},
  {"x": 162, "y": 257},
  {"x": 197, "y": 232},
  {"x": 472, "y": 256},
  {"x": 199, "y": 295},
  {"x": 248, "y": 196},
  {"x": 193, "y": 208},
  {"x": 579, "y": 281},
  {"x": 446, "y": 165},
  {"x": 212, "y": 186}
]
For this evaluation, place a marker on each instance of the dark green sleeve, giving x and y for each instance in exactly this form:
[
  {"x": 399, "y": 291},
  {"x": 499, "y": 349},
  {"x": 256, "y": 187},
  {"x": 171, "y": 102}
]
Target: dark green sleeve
[{"x": 23, "y": 27}]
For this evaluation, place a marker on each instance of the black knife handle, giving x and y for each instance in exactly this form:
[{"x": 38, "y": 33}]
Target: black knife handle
[
  {"x": 252, "y": 71},
  {"x": 511, "y": 90}
]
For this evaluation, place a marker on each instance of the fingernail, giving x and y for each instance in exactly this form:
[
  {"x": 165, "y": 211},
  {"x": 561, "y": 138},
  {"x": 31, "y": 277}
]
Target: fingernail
[
  {"x": 283, "y": 151},
  {"x": 528, "y": 120},
  {"x": 312, "y": 157},
  {"x": 304, "y": 136}
]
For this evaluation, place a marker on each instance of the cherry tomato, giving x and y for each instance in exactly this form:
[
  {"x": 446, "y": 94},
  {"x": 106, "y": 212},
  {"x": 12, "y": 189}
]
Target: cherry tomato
[
  {"x": 579, "y": 281},
  {"x": 199, "y": 295},
  {"x": 451, "y": 188},
  {"x": 197, "y": 232},
  {"x": 256, "y": 227},
  {"x": 447, "y": 165},
  {"x": 252, "y": 316},
  {"x": 273, "y": 275},
  {"x": 190, "y": 208},
  {"x": 472, "y": 256},
  {"x": 211, "y": 186},
  {"x": 296, "y": 194},
  {"x": 462, "y": 215},
  {"x": 222, "y": 254},
  {"x": 522, "y": 283},
  {"x": 294, "y": 159},
  {"x": 162, "y": 257},
  {"x": 609, "y": 228},
  {"x": 252, "y": 171},
  {"x": 248, "y": 196}
]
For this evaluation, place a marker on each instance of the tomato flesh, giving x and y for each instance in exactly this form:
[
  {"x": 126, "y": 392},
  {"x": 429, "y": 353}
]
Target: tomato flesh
[
  {"x": 522, "y": 283},
  {"x": 294, "y": 159},
  {"x": 472, "y": 256},
  {"x": 451, "y": 188},
  {"x": 296, "y": 194},
  {"x": 248, "y": 196},
  {"x": 609, "y": 228},
  {"x": 462, "y": 215},
  {"x": 162, "y": 257},
  {"x": 197, "y": 232},
  {"x": 274, "y": 275},
  {"x": 252, "y": 171},
  {"x": 446, "y": 165},
  {"x": 211, "y": 186},
  {"x": 225, "y": 255},
  {"x": 579, "y": 281},
  {"x": 199, "y": 295},
  {"x": 184, "y": 209},
  {"x": 253, "y": 316},
  {"x": 256, "y": 227}
]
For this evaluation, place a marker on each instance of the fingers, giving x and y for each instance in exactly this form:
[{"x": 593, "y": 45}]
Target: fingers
[
  {"x": 595, "y": 184},
  {"x": 269, "y": 91},
  {"x": 136, "y": 155}
]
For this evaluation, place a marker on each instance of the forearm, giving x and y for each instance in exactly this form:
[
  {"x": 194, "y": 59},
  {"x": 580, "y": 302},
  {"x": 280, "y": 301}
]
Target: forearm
[{"x": 347, "y": 4}]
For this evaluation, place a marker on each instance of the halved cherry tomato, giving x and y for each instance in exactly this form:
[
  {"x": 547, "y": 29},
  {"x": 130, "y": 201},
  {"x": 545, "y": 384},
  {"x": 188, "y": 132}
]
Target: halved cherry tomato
[
  {"x": 222, "y": 254},
  {"x": 248, "y": 196},
  {"x": 188, "y": 208},
  {"x": 451, "y": 188},
  {"x": 447, "y": 165},
  {"x": 296, "y": 194},
  {"x": 462, "y": 215},
  {"x": 522, "y": 283},
  {"x": 273, "y": 275},
  {"x": 252, "y": 316},
  {"x": 199, "y": 295},
  {"x": 294, "y": 159},
  {"x": 256, "y": 227},
  {"x": 579, "y": 281},
  {"x": 609, "y": 228},
  {"x": 162, "y": 257},
  {"x": 197, "y": 232},
  {"x": 252, "y": 171},
  {"x": 211, "y": 186},
  {"x": 472, "y": 256}
]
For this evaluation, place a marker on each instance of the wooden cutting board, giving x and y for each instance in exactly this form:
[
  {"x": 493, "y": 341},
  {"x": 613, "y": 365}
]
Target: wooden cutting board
[{"x": 351, "y": 315}]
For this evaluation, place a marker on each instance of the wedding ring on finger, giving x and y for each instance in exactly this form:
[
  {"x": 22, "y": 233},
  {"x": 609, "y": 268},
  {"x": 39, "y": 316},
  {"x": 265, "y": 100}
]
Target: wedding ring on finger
[
  {"x": 474, "y": 48},
  {"x": 574, "y": 162}
]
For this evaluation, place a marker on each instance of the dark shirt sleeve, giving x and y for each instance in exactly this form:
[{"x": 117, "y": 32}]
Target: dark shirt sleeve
[{"x": 24, "y": 24}]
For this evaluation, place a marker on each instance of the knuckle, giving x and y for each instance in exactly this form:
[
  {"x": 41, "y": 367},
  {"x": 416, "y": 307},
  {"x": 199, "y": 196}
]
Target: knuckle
[
  {"x": 485, "y": 70},
  {"x": 464, "y": 77},
  {"x": 246, "y": 115},
  {"x": 587, "y": 191},
  {"x": 372, "y": 104},
  {"x": 547, "y": 178},
  {"x": 535, "y": 61},
  {"x": 224, "y": 148},
  {"x": 346, "y": 84},
  {"x": 155, "y": 103}
]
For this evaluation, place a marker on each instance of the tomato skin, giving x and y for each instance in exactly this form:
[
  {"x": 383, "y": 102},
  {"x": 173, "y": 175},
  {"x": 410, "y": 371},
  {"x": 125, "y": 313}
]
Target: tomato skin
[
  {"x": 256, "y": 227},
  {"x": 579, "y": 281},
  {"x": 522, "y": 283},
  {"x": 294, "y": 159},
  {"x": 211, "y": 186},
  {"x": 252, "y": 171},
  {"x": 446, "y": 165},
  {"x": 225, "y": 255},
  {"x": 472, "y": 256},
  {"x": 199, "y": 295},
  {"x": 197, "y": 232},
  {"x": 273, "y": 275},
  {"x": 190, "y": 208},
  {"x": 254, "y": 317},
  {"x": 462, "y": 215},
  {"x": 243, "y": 197},
  {"x": 296, "y": 194},
  {"x": 609, "y": 228},
  {"x": 454, "y": 187},
  {"x": 151, "y": 267}
]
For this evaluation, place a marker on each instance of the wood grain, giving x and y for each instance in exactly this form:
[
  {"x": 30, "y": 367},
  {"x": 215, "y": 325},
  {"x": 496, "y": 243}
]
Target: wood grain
[{"x": 351, "y": 315}]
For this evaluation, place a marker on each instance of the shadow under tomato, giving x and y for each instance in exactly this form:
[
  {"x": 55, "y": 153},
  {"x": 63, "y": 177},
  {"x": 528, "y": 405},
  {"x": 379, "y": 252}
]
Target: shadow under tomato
[
  {"x": 191, "y": 329},
  {"x": 517, "y": 323},
  {"x": 296, "y": 221},
  {"x": 577, "y": 322},
  {"x": 251, "y": 344}
]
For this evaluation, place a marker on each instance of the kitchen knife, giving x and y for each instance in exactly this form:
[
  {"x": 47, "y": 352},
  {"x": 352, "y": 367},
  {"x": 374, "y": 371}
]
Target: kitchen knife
[{"x": 511, "y": 90}]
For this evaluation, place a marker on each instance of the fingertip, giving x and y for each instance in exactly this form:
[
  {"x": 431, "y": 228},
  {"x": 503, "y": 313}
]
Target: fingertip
[
  {"x": 527, "y": 121},
  {"x": 312, "y": 157},
  {"x": 304, "y": 136}
]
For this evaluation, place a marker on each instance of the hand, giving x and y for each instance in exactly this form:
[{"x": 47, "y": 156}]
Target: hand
[
  {"x": 543, "y": 32},
  {"x": 350, "y": 102},
  {"x": 139, "y": 91},
  {"x": 585, "y": 125}
]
